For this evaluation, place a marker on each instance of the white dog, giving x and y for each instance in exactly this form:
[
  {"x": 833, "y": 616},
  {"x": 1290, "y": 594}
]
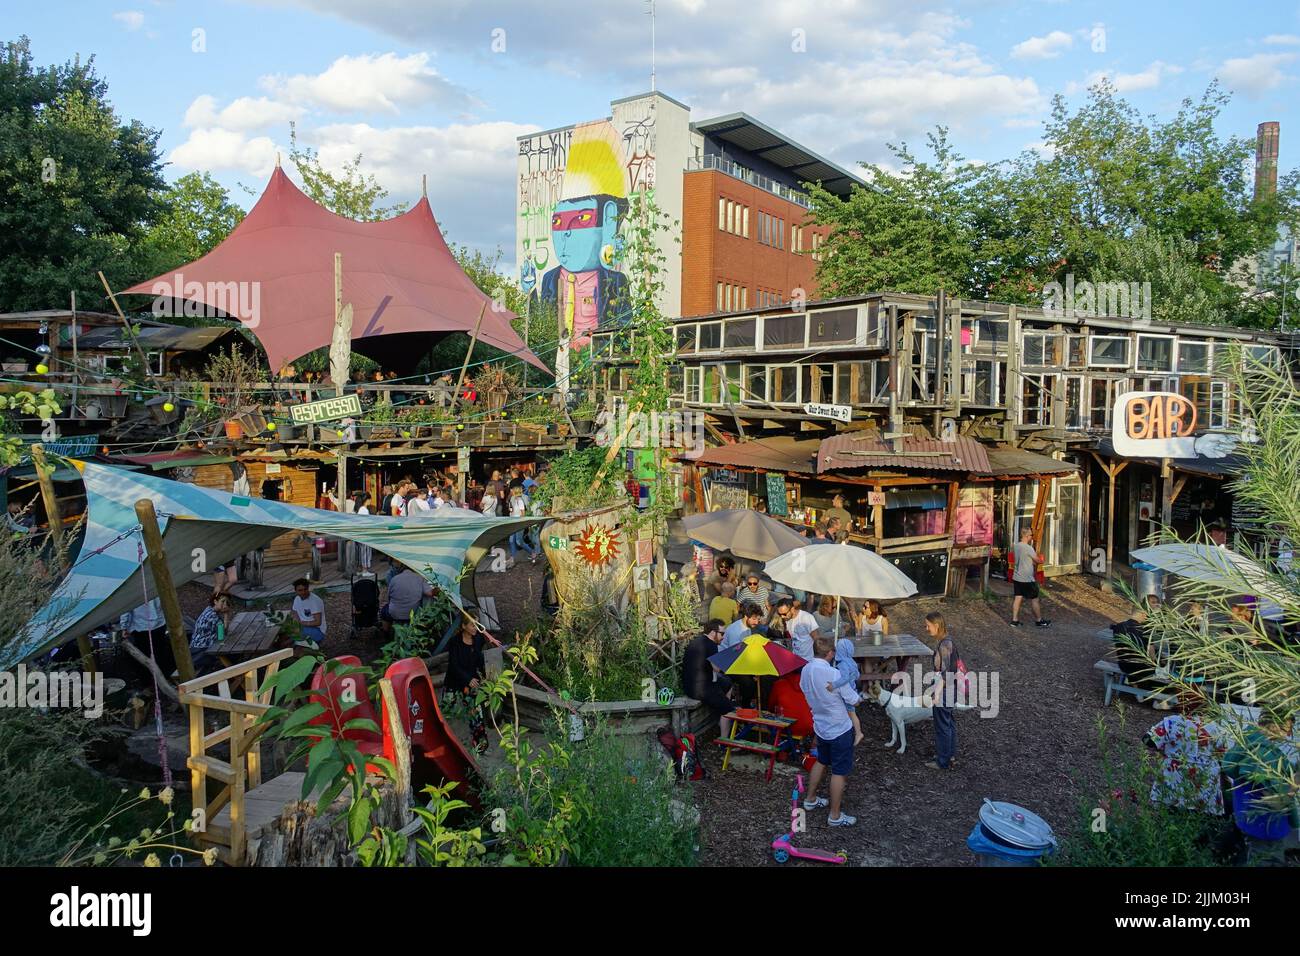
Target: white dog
[{"x": 902, "y": 711}]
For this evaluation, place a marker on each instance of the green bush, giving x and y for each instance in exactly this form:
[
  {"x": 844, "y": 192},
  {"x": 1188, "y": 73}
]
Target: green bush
[{"x": 1119, "y": 825}]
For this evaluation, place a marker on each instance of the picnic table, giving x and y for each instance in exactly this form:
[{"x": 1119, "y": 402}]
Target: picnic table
[
  {"x": 762, "y": 722},
  {"x": 901, "y": 646},
  {"x": 248, "y": 635}
]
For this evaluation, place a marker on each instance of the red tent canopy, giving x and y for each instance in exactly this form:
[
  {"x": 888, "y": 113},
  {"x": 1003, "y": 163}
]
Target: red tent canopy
[{"x": 275, "y": 273}]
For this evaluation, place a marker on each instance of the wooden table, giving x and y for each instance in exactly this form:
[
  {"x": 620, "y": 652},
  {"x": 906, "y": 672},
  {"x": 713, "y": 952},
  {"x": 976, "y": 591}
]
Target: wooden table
[
  {"x": 902, "y": 646},
  {"x": 763, "y": 722},
  {"x": 247, "y": 636}
]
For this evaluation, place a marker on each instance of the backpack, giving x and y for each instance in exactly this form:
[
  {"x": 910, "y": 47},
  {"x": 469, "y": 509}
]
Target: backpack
[{"x": 683, "y": 752}]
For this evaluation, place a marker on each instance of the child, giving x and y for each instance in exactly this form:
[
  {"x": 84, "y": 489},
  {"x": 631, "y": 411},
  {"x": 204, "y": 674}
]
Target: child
[{"x": 849, "y": 676}]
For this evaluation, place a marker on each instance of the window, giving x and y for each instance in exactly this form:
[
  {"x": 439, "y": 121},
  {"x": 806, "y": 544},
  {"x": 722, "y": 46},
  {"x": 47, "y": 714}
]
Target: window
[
  {"x": 744, "y": 229},
  {"x": 722, "y": 213},
  {"x": 738, "y": 334},
  {"x": 1155, "y": 353},
  {"x": 1210, "y": 399},
  {"x": 744, "y": 297},
  {"x": 691, "y": 384},
  {"x": 1074, "y": 411},
  {"x": 1036, "y": 399},
  {"x": 1263, "y": 354},
  {"x": 1193, "y": 356},
  {"x": 1076, "y": 351},
  {"x": 833, "y": 327},
  {"x": 718, "y": 307},
  {"x": 675, "y": 381},
  {"x": 1109, "y": 351},
  {"x": 1042, "y": 349},
  {"x": 1102, "y": 400},
  {"x": 711, "y": 384},
  {"x": 686, "y": 338},
  {"x": 991, "y": 336},
  {"x": 783, "y": 384},
  {"x": 784, "y": 331},
  {"x": 755, "y": 383},
  {"x": 816, "y": 247},
  {"x": 989, "y": 379},
  {"x": 732, "y": 383},
  {"x": 818, "y": 383},
  {"x": 710, "y": 336},
  {"x": 780, "y": 233},
  {"x": 727, "y": 307}
]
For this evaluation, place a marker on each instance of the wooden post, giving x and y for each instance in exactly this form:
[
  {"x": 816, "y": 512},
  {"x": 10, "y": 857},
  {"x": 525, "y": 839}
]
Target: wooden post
[
  {"x": 401, "y": 743},
  {"x": 468, "y": 352},
  {"x": 130, "y": 332},
  {"x": 1166, "y": 493},
  {"x": 614, "y": 447},
  {"x": 162, "y": 580},
  {"x": 45, "y": 478},
  {"x": 1011, "y": 400}
]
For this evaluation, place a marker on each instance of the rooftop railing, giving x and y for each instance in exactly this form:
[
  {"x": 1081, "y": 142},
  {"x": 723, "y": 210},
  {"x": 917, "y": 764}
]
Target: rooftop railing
[{"x": 736, "y": 171}]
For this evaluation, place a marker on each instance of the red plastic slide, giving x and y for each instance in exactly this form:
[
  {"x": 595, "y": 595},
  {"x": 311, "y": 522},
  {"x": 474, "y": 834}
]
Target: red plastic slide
[{"x": 437, "y": 755}]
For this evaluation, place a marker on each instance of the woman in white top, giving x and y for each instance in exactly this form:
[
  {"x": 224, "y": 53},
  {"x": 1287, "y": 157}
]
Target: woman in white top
[
  {"x": 871, "y": 618},
  {"x": 489, "y": 503}
]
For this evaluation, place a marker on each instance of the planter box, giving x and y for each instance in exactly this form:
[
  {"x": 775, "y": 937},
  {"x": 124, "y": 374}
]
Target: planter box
[
  {"x": 583, "y": 426},
  {"x": 634, "y": 718}
]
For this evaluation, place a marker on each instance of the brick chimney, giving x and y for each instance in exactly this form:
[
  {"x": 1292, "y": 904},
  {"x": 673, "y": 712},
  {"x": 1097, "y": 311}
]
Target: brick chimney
[{"x": 1266, "y": 143}]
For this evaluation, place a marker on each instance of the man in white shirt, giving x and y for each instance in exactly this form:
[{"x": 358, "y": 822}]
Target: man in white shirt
[
  {"x": 420, "y": 503},
  {"x": 837, "y": 732},
  {"x": 309, "y": 609},
  {"x": 800, "y": 626}
]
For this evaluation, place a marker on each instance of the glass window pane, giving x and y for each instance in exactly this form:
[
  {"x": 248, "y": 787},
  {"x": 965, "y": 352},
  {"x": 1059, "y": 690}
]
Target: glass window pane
[
  {"x": 784, "y": 331},
  {"x": 686, "y": 338},
  {"x": 1155, "y": 354},
  {"x": 739, "y": 334},
  {"x": 710, "y": 336},
  {"x": 836, "y": 327}
]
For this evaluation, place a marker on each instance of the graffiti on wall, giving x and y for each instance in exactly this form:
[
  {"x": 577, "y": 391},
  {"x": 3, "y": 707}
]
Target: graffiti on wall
[{"x": 575, "y": 187}]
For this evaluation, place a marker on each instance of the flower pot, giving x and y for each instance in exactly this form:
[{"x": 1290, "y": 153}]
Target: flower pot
[
  {"x": 234, "y": 430},
  {"x": 582, "y": 426}
]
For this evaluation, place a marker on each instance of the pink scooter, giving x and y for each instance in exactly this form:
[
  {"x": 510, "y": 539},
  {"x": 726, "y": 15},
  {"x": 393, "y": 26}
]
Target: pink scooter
[{"x": 782, "y": 849}]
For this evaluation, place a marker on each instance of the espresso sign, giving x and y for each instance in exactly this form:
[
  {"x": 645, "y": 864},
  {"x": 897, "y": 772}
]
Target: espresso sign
[
  {"x": 326, "y": 410},
  {"x": 1163, "y": 425}
]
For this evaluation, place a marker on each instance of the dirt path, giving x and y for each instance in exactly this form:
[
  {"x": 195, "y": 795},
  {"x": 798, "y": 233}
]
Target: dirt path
[{"x": 1033, "y": 753}]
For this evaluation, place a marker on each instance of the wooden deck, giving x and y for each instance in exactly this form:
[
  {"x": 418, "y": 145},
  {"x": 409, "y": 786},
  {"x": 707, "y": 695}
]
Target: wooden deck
[
  {"x": 277, "y": 582},
  {"x": 263, "y": 806}
]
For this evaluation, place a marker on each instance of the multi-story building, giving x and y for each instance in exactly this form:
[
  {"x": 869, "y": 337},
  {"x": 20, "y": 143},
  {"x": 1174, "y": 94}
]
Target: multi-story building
[
  {"x": 936, "y": 397},
  {"x": 732, "y": 191}
]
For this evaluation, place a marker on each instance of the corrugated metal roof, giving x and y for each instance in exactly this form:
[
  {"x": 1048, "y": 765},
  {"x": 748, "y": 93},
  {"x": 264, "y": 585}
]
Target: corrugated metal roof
[
  {"x": 172, "y": 338},
  {"x": 1017, "y": 461},
  {"x": 854, "y": 450},
  {"x": 782, "y": 453}
]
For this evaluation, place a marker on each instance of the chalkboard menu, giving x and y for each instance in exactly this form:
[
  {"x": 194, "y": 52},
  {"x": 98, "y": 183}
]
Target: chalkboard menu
[{"x": 776, "y": 494}]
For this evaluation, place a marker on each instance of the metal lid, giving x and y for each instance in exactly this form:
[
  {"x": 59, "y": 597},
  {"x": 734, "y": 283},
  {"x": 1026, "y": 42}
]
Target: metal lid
[{"x": 1016, "y": 825}]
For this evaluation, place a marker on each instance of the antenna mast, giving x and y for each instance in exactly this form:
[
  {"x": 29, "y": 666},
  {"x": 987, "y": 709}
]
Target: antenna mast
[{"x": 652, "y": 45}]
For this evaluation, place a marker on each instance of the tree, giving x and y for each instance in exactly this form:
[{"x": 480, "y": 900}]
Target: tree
[
  {"x": 81, "y": 187},
  {"x": 1182, "y": 289},
  {"x": 197, "y": 215},
  {"x": 349, "y": 193}
]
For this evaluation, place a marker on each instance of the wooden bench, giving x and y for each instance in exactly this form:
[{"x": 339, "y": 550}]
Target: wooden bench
[{"x": 1115, "y": 681}]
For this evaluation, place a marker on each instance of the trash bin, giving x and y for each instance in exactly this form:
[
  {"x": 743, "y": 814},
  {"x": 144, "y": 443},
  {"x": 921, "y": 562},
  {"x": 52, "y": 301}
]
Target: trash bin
[
  {"x": 1148, "y": 580},
  {"x": 1252, "y": 818},
  {"x": 1008, "y": 835}
]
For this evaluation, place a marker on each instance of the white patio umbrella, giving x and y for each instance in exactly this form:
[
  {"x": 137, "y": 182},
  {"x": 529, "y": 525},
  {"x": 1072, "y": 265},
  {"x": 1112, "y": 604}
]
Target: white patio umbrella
[
  {"x": 745, "y": 533},
  {"x": 1211, "y": 564},
  {"x": 844, "y": 570}
]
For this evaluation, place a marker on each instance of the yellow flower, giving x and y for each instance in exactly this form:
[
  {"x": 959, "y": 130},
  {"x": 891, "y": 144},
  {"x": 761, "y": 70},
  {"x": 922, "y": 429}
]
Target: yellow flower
[
  {"x": 165, "y": 796},
  {"x": 145, "y": 794},
  {"x": 152, "y": 860},
  {"x": 209, "y": 856}
]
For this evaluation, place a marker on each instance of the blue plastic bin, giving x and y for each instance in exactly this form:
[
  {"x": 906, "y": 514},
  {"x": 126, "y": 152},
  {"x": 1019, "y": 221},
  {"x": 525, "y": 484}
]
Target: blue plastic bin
[
  {"x": 996, "y": 853},
  {"x": 1251, "y": 818}
]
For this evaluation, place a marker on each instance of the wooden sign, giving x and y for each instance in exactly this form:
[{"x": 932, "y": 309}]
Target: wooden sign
[
  {"x": 645, "y": 551},
  {"x": 643, "y": 578},
  {"x": 1163, "y": 425},
  {"x": 326, "y": 410},
  {"x": 841, "y": 413},
  {"x": 876, "y": 498}
]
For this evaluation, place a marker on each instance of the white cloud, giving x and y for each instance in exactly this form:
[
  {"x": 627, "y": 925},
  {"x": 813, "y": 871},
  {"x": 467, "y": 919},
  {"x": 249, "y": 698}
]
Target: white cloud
[
  {"x": 223, "y": 150},
  {"x": 382, "y": 83},
  {"x": 243, "y": 114},
  {"x": 1147, "y": 79},
  {"x": 131, "y": 19},
  {"x": 1255, "y": 75},
  {"x": 1282, "y": 39},
  {"x": 1044, "y": 47}
]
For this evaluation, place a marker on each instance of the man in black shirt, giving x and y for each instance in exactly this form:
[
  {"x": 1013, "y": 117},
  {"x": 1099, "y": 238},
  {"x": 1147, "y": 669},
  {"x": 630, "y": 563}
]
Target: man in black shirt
[{"x": 698, "y": 674}]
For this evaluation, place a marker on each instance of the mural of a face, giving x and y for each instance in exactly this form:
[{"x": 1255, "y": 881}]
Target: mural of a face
[{"x": 581, "y": 228}]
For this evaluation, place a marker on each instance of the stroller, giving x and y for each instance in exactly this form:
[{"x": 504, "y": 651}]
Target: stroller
[{"x": 365, "y": 604}]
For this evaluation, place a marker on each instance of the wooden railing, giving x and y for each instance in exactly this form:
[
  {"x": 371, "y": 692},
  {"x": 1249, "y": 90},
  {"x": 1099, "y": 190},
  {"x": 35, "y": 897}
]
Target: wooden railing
[{"x": 243, "y": 770}]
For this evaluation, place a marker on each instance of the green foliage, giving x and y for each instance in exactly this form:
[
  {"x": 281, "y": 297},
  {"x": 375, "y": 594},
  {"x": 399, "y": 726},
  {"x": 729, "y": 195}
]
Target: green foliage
[
  {"x": 442, "y": 844},
  {"x": 566, "y": 484},
  {"x": 81, "y": 186},
  {"x": 429, "y": 622},
  {"x": 1112, "y": 194},
  {"x": 1119, "y": 825},
  {"x": 197, "y": 215},
  {"x": 42, "y": 405},
  {"x": 350, "y": 193}
]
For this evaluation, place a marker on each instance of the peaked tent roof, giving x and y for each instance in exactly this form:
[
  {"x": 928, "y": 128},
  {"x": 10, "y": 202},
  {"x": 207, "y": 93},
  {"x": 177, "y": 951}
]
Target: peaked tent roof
[
  {"x": 398, "y": 274},
  {"x": 108, "y": 578}
]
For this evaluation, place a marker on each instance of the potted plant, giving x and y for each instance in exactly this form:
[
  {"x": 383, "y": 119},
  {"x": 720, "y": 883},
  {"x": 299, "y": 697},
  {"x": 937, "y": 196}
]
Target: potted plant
[
  {"x": 584, "y": 417},
  {"x": 496, "y": 383},
  {"x": 379, "y": 418}
]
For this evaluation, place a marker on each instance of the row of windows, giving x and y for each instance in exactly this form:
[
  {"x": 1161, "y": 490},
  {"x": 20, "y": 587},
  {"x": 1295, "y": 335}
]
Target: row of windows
[
  {"x": 771, "y": 231},
  {"x": 1087, "y": 401},
  {"x": 733, "y": 217},
  {"x": 732, "y": 298}
]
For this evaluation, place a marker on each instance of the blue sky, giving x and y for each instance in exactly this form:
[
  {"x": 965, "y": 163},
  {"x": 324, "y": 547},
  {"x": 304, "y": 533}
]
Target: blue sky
[{"x": 444, "y": 87}]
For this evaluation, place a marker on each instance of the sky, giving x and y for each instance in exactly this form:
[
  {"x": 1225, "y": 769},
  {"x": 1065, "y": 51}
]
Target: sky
[{"x": 444, "y": 87}]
